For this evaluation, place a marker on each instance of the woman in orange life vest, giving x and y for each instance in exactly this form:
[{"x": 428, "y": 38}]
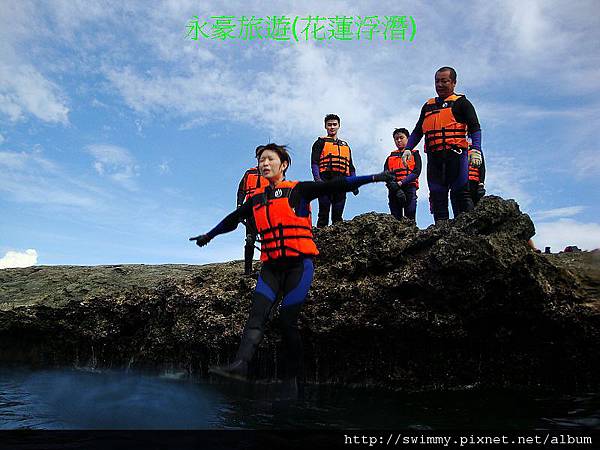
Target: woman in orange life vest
[
  {"x": 281, "y": 211},
  {"x": 250, "y": 182},
  {"x": 402, "y": 194}
]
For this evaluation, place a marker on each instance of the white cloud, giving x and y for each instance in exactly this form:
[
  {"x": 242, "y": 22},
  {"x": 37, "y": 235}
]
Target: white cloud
[
  {"x": 587, "y": 163},
  {"x": 19, "y": 259},
  {"x": 164, "y": 168},
  {"x": 116, "y": 163},
  {"x": 530, "y": 26},
  {"x": 558, "y": 212},
  {"x": 503, "y": 178},
  {"x": 97, "y": 103},
  {"x": 28, "y": 177},
  {"x": 24, "y": 90},
  {"x": 563, "y": 232},
  {"x": 110, "y": 154}
]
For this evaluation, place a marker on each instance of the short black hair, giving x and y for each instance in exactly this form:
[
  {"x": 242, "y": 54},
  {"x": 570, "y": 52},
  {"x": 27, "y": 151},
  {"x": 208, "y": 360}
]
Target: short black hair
[
  {"x": 448, "y": 69},
  {"x": 404, "y": 131},
  {"x": 281, "y": 151},
  {"x": 332, "y": 117}
]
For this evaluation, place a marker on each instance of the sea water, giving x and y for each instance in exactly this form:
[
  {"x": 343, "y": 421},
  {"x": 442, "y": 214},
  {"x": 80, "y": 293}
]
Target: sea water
[{"x": 76, "y": 399}]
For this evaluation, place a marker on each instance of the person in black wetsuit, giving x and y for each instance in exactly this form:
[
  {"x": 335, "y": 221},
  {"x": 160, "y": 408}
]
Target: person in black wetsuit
[
  {"x": 282, "y": 215},
  {"x": 250, "y": 182},
  {"x": 402, "y": 194},
  {"x": 445, "y": 121},
  {"x": 331, "y": 158}
]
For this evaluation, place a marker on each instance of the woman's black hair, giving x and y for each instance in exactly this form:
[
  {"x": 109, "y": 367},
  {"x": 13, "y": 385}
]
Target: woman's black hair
[{"x": 281, "y": 151}]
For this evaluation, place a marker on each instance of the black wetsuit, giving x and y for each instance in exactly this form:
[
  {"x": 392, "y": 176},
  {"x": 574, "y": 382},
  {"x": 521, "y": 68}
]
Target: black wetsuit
[
  {"x": 251, "y": 231},
  {"x": 448, "y": 170},
  {"x": 409, "y": 208},
  {"x": 288, "y": 279},
  {"x": 335, "y": 201}
]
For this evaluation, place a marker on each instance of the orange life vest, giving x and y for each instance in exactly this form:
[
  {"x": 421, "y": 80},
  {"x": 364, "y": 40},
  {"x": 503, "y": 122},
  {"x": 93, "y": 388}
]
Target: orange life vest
[
  {"x": 282, "y": 232},
  {"x": 252, "y": 181},
  {"x": 440, "y": 128},
  {"x": 473, "y": 172},
  {"x": 395, "y": 165},
  {"x": 335, "y": 156}
]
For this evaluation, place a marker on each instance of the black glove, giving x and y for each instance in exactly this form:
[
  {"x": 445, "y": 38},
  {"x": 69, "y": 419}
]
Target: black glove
[
  {"x": 355, "y": 191},
  {"x": 201, "y": 240},
  {"x": 401, "y": 196},
  {"x": 392, "y": 186},
  {"x": 480, "y": 190},
  {"x": 384, "y": 176}
]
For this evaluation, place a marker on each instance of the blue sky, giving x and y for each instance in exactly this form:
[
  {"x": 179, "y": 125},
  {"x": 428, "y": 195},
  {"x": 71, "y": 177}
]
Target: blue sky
[{"x": 120, "y": 137}]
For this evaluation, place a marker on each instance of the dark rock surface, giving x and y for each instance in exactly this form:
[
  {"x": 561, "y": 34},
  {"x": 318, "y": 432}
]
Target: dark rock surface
[{"x": 464, "y": 303}]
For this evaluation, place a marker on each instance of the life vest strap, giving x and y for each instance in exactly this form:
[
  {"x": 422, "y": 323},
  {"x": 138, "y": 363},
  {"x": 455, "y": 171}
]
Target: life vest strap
[
  {"x": 278, "y": 238},
  {"x": 279, "y": 227},
  {"x": 286, "y": 248}
]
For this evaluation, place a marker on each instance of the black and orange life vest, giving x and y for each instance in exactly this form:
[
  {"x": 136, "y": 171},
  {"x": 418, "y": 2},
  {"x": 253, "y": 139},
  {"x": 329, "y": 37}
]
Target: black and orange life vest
[
  {"x": 395, "y": 165},
  {"x": 335, "y": 156},
  {"x": 282, "y": 232},
  {"x": 253, "y": 181},
  {"x": 440, "y": 128},
  {"x": 474, "y": 174}
]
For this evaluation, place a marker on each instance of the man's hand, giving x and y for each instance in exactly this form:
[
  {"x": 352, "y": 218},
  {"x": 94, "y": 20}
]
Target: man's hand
[
  {"x": 406, "y": 155},
  {"x": 355, "y": 191},
  {"x": 475, "y": 157},
  {"x": 201, "y": 240},
  {"x": 384, "y": 176}
]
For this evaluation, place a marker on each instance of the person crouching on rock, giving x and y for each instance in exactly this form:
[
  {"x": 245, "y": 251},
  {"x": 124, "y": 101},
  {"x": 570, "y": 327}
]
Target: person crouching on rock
[{"x": 281, "y": 211}]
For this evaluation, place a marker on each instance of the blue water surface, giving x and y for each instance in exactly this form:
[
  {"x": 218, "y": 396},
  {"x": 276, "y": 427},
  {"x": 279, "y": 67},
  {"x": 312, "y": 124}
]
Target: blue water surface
[{"x": 79, "y": 399}]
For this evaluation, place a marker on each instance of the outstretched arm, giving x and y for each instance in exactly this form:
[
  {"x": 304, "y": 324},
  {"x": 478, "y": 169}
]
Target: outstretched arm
[
  {"x": 309, "y": 190},
  {"x": 226, "y": 225}
]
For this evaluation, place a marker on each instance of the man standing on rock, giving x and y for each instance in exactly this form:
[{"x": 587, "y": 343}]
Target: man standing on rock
[
  {"x": 331, "y": 158},
  {"x": 445, "y": 121}
]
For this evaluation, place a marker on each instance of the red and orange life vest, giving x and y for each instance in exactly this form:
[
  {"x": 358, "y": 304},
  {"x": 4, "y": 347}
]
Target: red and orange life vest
[
  {"x": 440, "y": 128},
  {"x": 253, "y": 181},
  {"x": 335, "y": 156},
  {"x": 283, "y": 233},
  {"x": 395, "y": 165}
]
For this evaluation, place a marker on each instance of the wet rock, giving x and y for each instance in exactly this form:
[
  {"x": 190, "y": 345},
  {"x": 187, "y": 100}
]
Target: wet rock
[{"x": 464, "y": 303}]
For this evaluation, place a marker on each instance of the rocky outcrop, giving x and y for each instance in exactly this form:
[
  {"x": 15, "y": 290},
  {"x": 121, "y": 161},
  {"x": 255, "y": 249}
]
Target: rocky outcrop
[{"x": 459, "y": 304}]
